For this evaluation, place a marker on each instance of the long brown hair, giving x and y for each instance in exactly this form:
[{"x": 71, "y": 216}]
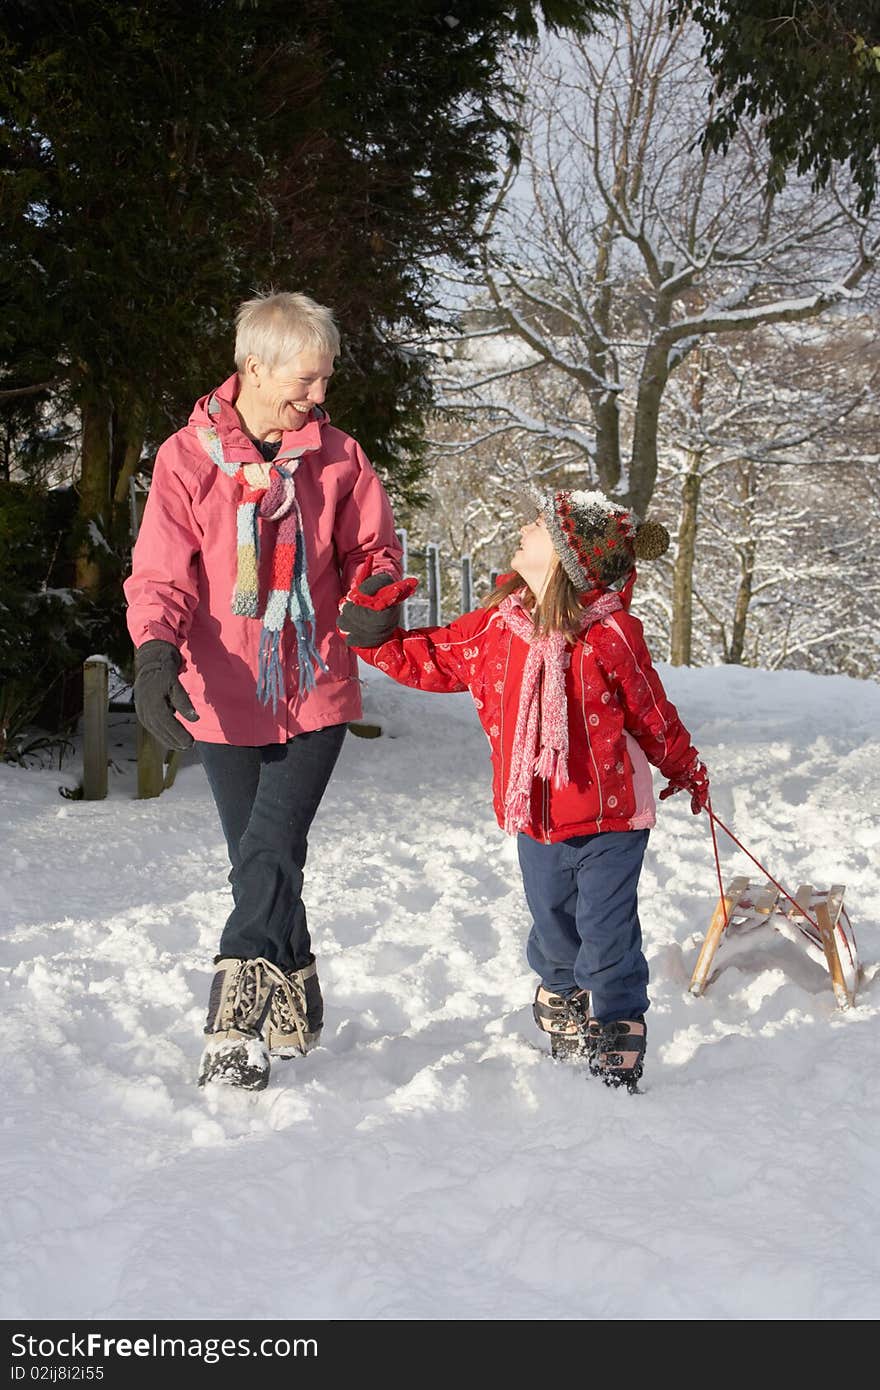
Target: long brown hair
[{"x": 560, "y": 610}]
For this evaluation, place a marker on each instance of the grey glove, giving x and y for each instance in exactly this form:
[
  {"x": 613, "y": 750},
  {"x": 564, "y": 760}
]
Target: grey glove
[
  {"x": 158, "y": 692},
  {"x": 369, "y": 627}
]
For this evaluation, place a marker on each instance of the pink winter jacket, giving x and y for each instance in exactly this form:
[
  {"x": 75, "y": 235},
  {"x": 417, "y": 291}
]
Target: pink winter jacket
[{"x": 184, "y": 567}]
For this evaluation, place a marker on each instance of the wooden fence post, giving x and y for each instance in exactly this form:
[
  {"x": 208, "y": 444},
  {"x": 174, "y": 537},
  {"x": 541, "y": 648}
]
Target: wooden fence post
[
  {"x": 95, "y": 707},
  {"x": 432, "y": 553},
  {"x": 150, "y": 764},
  {"x": 403, "y": 537},
  {"x": 467, "y": 584}
]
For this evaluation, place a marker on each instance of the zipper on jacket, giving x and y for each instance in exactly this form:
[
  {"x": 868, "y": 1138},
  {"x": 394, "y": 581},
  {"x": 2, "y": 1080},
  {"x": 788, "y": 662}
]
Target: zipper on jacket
[{"x": 545, "y": 786}]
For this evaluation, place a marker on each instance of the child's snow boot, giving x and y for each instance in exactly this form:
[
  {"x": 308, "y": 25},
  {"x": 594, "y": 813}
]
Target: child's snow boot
[
  {"x": 565, "y": 1018},
  {"x": 296, "y": 1014},
  {"x": 241, "y": 994},
  {"x": 617, "y": 1050}
]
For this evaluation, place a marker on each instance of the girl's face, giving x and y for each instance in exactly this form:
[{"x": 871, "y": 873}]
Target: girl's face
[{"x": 536, "y": 558}]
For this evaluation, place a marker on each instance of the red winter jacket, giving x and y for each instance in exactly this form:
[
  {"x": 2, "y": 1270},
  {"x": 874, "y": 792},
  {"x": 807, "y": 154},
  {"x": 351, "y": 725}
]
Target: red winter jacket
[{"x": 619, "y": 716}]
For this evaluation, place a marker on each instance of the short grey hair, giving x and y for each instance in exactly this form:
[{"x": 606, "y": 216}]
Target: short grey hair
[{"x": 277, "y": 327}]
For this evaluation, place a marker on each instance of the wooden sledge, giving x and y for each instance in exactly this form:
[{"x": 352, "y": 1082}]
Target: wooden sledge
[{"x": 828, "y": 938}]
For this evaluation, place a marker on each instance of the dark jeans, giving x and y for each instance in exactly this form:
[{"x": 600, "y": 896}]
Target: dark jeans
[
  {"x": 583, "y": 897},
  {"x": 267, "y": 798}
]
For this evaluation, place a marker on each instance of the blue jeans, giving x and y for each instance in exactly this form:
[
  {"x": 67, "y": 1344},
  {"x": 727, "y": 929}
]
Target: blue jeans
[
  {"x": 583, "y": 897},
  {"x": 267, "y": 798}
]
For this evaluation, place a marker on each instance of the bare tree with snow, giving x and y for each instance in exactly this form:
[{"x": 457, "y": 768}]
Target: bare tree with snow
[
  {"x": 752, "y": 422},
  {"x": 617, "y": 248}
]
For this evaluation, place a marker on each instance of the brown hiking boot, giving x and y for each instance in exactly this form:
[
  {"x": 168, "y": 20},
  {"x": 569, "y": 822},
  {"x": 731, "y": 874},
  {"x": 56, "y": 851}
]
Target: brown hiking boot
[
  {"x": 296, "y": 1013},
  {"x": 241, "y": 994},
  {"x": 565, "y": 1018}
]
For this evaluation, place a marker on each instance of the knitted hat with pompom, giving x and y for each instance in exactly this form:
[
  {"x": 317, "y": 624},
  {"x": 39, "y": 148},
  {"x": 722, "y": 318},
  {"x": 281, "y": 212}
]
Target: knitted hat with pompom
[{"x": 598, "y": 541}]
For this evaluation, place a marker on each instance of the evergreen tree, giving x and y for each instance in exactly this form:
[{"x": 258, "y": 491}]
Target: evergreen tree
[
  {"x": 810, "y": 68},
  {"x": 159, "y": 161}
]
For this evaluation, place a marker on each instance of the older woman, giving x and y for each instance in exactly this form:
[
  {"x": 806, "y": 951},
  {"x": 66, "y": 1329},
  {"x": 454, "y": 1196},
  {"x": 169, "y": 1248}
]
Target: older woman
[{"x": 260, "y": 516}]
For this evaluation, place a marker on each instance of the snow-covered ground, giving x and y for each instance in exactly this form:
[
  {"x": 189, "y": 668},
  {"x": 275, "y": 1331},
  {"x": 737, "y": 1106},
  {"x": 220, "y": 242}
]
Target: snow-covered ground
[{"x": 428, "y": 1161}]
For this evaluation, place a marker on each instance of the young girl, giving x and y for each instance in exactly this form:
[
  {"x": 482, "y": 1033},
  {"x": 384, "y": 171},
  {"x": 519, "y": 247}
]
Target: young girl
[{"x": 574, "y": 712}]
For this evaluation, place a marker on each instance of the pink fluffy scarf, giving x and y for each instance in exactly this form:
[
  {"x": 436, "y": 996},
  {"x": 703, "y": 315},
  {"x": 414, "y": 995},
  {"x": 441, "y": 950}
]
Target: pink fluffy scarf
[{"x": 540, "y": 740}]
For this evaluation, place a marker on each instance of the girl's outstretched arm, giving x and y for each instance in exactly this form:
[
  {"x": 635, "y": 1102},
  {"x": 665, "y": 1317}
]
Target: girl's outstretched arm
[{"x": 432, "y": 658}]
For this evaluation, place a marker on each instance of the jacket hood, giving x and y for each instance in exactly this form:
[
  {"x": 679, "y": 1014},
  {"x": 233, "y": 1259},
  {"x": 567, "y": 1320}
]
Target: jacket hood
[{"x": 626, "y": 590}]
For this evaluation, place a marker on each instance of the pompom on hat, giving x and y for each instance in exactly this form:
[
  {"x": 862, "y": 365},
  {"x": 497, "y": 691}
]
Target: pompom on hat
[{"x": 597, "y": 540}]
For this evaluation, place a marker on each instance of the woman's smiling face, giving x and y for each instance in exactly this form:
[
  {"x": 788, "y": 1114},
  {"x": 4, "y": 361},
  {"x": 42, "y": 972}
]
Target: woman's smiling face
[
  {"x": 288, "y": 391},
  {"x": 274, "y": 399}
]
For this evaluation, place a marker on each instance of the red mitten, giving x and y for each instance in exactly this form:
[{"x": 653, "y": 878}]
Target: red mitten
[
  {"x": 388, "y": 596},
  {"x": 371, "y": 611},
  {"x": 694, "y": 780}
]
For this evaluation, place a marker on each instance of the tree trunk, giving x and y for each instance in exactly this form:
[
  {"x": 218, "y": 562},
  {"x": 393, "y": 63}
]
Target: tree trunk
[
  {"x": 680, "y": 643},
  {"x": 741, "y": 608},
  {"x": 652, "y": 383},
  {"x": 129, "y": 425},
  {"x": 747, "y": 554},
  {"x": 604, "y": 403},
  {"x": 94, "y": 492},
  {"x": 681, "y": 635}
]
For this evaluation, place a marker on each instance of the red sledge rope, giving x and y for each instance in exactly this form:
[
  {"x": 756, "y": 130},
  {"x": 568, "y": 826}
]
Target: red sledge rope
[{"x": 713, "y": 821}]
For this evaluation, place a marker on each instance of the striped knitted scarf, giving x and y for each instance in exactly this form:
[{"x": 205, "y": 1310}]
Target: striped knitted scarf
[
  {"x": 540, "y": 739},
  {"x": 268, "y": 491}
]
